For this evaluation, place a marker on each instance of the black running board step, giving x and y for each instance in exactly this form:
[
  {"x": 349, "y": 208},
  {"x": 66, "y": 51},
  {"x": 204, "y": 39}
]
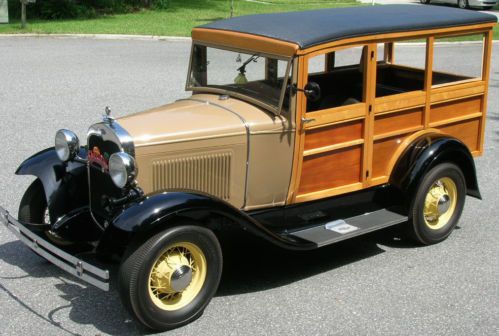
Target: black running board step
[{"x": 341, "y": 229}]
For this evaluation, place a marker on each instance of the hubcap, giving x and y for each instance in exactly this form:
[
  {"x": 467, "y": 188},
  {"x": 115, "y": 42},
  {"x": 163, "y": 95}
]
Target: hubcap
[
  {"x": 177, "y": 276},
  {"x": 440, "y": 203}
]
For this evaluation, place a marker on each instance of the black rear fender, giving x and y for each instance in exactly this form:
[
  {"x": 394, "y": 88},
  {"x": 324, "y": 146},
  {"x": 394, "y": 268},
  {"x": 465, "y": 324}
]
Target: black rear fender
[{"x": 425, "y": 153}]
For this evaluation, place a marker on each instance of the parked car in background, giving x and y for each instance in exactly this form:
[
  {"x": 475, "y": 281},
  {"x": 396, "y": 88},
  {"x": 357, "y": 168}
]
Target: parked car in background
[{"x": 481, "y": 4}]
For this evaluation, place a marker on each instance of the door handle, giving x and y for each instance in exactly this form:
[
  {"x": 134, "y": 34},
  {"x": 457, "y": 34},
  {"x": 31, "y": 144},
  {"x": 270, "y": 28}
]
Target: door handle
[{"x": 306, "y": 121}]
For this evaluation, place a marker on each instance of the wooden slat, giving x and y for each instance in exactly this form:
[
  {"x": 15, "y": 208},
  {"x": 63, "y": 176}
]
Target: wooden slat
[
  {"x": 388, "y": 123},
  {"x": 369, "y": 98},
  {"x": 334, "y": 115},
  {"x": 457, "y": 91},
  {"x": 329, "y": 192},
  {"x": 487, "y": 52},
  {"x": 430, "y": 41},
  {"x": 456, "y": 119},
  {"x": 399, "y": 101},
  {"x": 301, "y": 106},
  {"x": 332, "y": 147},
  {"x": 391, "y": 37},
  {"x": 330, "y": 170}
]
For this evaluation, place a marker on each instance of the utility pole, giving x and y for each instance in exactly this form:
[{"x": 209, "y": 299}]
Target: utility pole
[{"x": 231, "y": 8}]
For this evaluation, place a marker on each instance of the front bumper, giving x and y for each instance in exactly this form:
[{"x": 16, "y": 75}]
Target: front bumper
[{"x": 81, "y": 269}]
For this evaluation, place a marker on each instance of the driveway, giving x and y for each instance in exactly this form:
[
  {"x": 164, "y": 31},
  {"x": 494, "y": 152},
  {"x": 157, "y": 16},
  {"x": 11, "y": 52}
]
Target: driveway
[{"x": 374, "y": 285}]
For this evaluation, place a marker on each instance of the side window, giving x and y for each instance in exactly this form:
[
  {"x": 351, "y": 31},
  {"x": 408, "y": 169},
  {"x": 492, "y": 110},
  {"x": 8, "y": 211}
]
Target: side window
[
  {"x": 402, "y": 68},
  {"x": 339, "y": 74},
  {"x": 447, "y": 67}
]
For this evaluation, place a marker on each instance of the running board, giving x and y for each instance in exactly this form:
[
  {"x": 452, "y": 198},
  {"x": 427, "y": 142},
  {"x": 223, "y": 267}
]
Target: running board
[{"x": 342, "y": 229}]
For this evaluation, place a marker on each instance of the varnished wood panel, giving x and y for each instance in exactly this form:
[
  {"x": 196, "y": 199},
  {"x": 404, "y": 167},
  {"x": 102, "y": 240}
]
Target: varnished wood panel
[
  {"x": 244, "y": 41},
  {"x": 467, "y": 131},
  {"x": 330, "y": 170},
  {"x": 453, "y": 91},
  {"x": 387, "y": 123},
  {"x": 455, "y": 108},
  {"x": 399, "y": 101},
  {"x": 334, "y": 134},
  {"x": 334, "y": 115},
  {"x": 383, "y": 152}
]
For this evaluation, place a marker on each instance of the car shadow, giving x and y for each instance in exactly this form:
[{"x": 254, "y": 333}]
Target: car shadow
[
  {"x": 250, "y": 265},
  {"x": 85, "y": 303}
]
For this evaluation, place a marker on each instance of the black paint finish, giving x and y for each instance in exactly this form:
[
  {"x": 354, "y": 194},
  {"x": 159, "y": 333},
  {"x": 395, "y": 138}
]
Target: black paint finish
[
  {"x": 427, "y": 152},
  {"x": 162, "y": 210},
  {"x": 310, "y": 28},
  {"x": 65, "y": 184}
]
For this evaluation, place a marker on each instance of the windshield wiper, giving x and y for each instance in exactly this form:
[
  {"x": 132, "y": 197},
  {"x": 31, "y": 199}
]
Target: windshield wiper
[{"x": 242, "y": 68}]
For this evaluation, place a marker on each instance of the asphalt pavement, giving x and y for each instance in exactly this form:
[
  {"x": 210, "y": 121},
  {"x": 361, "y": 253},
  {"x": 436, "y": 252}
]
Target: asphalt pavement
[{"x": 373, "y": 285}]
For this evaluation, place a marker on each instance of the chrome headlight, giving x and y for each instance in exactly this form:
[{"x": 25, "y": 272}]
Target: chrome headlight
[
  {"x": 67, "y": 144},
  {"x": 122, "y": 169}
]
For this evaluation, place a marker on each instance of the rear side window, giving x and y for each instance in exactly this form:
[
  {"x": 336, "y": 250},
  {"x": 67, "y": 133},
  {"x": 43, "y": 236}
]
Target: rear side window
[{"x": 448, "y": 65}]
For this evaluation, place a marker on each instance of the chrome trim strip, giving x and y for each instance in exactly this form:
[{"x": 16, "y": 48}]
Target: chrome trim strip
[
  {"x": 69, "y": 263},
  {"x": 248, "y": 146}
]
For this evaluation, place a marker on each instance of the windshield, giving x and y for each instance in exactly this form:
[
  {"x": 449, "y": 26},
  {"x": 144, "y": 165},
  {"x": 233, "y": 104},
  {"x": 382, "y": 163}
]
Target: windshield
[{"x": 259, "y": 78}]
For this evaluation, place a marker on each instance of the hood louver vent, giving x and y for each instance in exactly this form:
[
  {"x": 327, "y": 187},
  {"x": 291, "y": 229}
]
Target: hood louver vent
[{"x": 209, "y": 173}]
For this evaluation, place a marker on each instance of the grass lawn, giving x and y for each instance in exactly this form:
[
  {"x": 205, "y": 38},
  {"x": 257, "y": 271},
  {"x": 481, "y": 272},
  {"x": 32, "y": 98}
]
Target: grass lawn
[{"x": 178, "y": 20}]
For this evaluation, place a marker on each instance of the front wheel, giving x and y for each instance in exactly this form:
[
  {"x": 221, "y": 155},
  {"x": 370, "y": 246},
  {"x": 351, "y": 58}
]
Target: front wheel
[
  {"x": 169, "y": 280},
  {"x": 33, "y": 210},
  {"x": 438, "y": 204}
]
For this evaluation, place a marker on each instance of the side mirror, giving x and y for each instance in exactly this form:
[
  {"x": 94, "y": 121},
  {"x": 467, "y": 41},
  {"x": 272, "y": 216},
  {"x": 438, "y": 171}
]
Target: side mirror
[{"x": 312, "y": 91}]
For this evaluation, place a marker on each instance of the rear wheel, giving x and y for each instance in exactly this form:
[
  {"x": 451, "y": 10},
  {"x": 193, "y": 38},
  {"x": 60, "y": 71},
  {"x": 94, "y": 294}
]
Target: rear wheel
[
  {"x": 170, "y": 278},
  {"x": 438, "y": 204}
]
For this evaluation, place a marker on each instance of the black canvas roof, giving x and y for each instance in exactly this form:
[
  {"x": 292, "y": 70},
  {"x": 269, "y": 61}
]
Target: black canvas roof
[{"x": 309, "y": 28}]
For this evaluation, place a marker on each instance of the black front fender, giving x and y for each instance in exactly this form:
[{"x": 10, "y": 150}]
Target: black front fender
[
  {"x": 425, "y": 153},
  {"x": 162, "y": 210},
  {"x": 65, "y": 184}
]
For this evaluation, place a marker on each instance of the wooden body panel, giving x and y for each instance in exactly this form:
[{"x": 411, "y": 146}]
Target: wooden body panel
[{"x": 348, "y": 148}]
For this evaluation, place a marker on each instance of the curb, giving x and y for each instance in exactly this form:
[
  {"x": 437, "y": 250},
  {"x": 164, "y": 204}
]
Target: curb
[
  {"x": 104, "y": 37},
  {"x": 168, "y": 38}
]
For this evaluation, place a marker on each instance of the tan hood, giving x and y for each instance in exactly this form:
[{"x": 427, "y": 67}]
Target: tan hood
[
  {"x": 180, "y": 121},
  {"x": 195, "y": 119}
]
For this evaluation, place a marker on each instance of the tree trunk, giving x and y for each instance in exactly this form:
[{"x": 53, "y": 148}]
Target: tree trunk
[{"x": 23, "y": 14}]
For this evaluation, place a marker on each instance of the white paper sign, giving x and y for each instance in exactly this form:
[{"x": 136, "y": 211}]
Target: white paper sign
[{"x": 4, "y": 11}]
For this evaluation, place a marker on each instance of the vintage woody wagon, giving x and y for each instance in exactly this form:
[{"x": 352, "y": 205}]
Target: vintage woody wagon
[{"x": 304, "y": 128}]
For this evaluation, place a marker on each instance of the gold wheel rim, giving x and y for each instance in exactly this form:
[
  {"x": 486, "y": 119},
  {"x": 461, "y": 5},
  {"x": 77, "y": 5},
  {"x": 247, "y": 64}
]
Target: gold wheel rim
[
  {"x": 440, "y": 203},
  {"x": 177, "y": 276}
]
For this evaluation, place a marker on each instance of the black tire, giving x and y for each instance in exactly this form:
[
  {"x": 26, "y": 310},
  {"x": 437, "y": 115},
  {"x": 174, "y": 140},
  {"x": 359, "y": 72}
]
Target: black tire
[
  {"x": 136, "y": 277},
  {"x": 448, "y": 180},
  {"x": 32, "y": 209},
  {"x": 425, "y": 2},
  {"x": 33, "y": 204},
  {"x": 463, "y": 4}
]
